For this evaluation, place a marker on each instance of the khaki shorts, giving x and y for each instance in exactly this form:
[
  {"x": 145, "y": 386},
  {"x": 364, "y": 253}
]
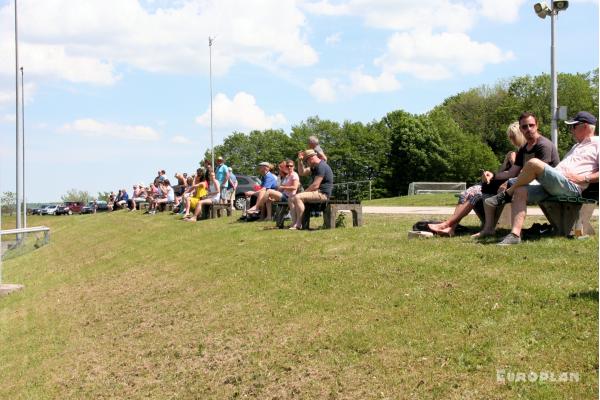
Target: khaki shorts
[{"x": 311, "y": 196}]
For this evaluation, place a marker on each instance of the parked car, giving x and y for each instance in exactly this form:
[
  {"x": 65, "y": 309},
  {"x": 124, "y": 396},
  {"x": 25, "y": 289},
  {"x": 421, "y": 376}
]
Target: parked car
[
  {"x": 245, "y": 183},
  {"x": 75, "y": 206},
  {"x": 39, "y": 210},
  {"x": 50, "y": 210},
  {"x": 63, "y": 210},
  {"x": 100, "y": 206}
]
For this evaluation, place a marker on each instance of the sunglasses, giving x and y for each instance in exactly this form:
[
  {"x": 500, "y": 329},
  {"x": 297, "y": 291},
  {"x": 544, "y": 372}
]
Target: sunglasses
[
  {"x": 575, "y": 125},
  {"x": 525, "y": 126},
  {"x": 290, "y": 165}
]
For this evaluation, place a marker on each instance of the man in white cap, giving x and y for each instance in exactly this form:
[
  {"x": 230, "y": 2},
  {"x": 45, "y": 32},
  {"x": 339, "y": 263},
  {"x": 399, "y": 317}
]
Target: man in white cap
[{"x": 570, "y": 177}]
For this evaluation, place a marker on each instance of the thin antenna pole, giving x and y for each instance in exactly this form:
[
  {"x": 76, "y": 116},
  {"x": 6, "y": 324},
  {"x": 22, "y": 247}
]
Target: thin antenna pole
[
  {"x": 23, "y": 141},
  {"x": 212, "y": 149}
]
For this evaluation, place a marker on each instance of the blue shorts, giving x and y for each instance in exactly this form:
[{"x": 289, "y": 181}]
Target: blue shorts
[
  {"x": 552, "y": 183},
  {"x": 284, "y": 197}
]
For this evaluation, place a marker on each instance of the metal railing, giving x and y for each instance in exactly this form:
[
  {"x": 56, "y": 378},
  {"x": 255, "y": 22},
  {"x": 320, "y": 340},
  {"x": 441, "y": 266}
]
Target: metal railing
[{"x": 356, "y": 193}]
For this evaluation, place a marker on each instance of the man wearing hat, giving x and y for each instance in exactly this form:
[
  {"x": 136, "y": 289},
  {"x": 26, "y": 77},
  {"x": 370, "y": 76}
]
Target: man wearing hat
[
  {"x": 570, "y": 177},
  {"x": 320, "y": 188}
]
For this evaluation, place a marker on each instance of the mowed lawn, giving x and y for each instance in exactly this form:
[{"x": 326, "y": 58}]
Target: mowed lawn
[{"x": 126, "y": 305}]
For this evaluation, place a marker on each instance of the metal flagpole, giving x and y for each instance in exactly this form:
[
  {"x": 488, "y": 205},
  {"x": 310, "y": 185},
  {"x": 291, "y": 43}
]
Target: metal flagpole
[
  {"x": 18, "y": 136},
  {"x": 212, "y": 149},
  {"x": 23, "y": 142}
]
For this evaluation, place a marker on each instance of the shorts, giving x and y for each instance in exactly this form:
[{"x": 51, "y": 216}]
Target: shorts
[
  {"x": 284, "y": 197},
  {"x": 308, "y": 196},
  {"x": 550, "y": 183}
]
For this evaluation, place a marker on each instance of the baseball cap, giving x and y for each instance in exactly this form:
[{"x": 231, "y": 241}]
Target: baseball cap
[{"x": 582, "y": 116}]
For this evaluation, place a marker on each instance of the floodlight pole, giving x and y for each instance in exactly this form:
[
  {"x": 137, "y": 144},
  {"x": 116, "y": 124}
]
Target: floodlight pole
[
  {"x": 18, "y": 136},
  {"x": 554, "y": 85},
  {"x": 212, "y": 149},
  {"x": 23, "y": 142}
]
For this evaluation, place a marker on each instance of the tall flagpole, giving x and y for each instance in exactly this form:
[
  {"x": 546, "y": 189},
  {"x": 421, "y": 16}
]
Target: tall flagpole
[
  {"x": 212, "y": 149},
  {"x": 23, "y": 142},
  {"x": 18, "y": 146}
]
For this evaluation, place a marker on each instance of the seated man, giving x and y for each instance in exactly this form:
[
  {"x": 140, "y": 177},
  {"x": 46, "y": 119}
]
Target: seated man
[
  {"x": 571, "y": 176},
  {"x": 268, "y": 181},
  {"x": 320, "y": 188}
]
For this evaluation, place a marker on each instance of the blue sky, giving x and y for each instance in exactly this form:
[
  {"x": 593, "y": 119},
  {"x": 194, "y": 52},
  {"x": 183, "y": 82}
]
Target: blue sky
[{"x": 117, "y": 89}]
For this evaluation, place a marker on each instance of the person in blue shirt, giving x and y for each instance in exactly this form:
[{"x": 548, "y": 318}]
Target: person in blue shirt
[
  {"x": 268, "y": 181},
  {"x": 222, "y": 174}
]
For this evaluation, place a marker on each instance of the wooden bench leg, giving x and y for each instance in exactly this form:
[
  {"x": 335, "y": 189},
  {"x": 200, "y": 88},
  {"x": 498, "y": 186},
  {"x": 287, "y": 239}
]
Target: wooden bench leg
[
  {"x": 357, "y": 216},
  {"x": 562, "y": 216},
  {"x": 329, "y": 215},
  {"x": 585, "y": 214}
]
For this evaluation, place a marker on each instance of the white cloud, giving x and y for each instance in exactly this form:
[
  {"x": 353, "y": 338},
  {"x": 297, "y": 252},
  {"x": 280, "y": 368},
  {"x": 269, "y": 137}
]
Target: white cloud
[
  {"x": 180, "y": 140},
  {"x": 84, "y": 41},
  {"x": 328, "y": 91},
  {"x": 437, "y": 56},
  {"x": 91, "y": 128},
  {"x": 364, "y": 83},
  {"x": 324, "y": 90},
  {"x": 507, "y": 11},
  {"x": 402, "y": 14},
  {"x": 8, "y": 118},
  {"x": 333, "y": 39},
  {"x": 240, "y": 113}
]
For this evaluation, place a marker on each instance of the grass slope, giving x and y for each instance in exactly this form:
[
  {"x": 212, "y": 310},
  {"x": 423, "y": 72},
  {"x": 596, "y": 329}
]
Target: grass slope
[{"x": 135, "y": 306}]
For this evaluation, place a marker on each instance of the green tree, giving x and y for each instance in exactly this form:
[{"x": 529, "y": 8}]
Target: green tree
[
  {"x": 9, "y": 203},
  {"x": 76, "y": 195},
  {"x": 467, "y": 153},
  {"x": 416, "y": 152}
]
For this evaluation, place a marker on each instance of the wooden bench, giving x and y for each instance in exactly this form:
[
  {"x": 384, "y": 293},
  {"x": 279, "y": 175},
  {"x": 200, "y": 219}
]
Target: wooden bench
[
  {"x": 330, "y": 208},
  {"x": 563, "y": 212},
  {"x": 215, "y": 210},
  {"x": 566, "y": 212}
]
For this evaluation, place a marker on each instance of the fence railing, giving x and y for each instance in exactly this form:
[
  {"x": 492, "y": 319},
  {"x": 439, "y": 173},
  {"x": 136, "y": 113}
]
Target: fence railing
[{"x": 353, "y": 190}]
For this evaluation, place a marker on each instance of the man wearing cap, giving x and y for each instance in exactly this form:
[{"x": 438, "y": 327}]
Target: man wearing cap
[
  {"x": 570, "y": 177},
  {"x": 320, "y": 188},
  {"x": 222, "y": 175}
]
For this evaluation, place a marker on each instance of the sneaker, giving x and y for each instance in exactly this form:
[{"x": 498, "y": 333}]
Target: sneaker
[
  {"x": 510, "y": 239},
  {"x": 498, "y": 200}
]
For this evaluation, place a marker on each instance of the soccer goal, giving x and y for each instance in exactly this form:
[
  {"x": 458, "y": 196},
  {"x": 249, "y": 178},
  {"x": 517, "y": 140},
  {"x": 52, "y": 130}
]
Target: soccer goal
[{"x": 435, "y": 187}]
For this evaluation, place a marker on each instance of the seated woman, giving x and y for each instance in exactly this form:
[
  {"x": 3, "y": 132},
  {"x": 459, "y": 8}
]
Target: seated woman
[
  {"x": 137, "y": 196},
  {"x": 212, "y": 197},
  {"x": 265, "y": 197},
  {"x": 470, "y": 197},
  {"x": 195, "y": 192},
  {"x": 167, "y": 195}
]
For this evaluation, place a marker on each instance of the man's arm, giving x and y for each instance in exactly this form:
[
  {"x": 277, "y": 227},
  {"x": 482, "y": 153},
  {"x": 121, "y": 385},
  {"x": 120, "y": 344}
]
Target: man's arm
[
  {"x": 314, "y": 186},
  {"x": 302, "y": 171},
  {"x": 511, "y": 173},
  {"x": 581, "y": 179}
]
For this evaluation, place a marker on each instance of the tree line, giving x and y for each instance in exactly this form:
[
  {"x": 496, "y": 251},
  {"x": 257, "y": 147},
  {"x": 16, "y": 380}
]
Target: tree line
[{"x": 452, "y": 142}]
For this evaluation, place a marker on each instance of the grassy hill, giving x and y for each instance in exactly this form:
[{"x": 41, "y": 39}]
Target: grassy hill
[{"x": 125, "y": 305}]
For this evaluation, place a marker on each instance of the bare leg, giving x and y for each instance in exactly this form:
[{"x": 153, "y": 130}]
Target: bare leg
[
  {"x": 260, "y": 200},
  {"x": 490, "y": 216},
  {"x": 447, "y": 227},
  {"x": 519, "y": 210},
  {"x": 531, "y": 170}
]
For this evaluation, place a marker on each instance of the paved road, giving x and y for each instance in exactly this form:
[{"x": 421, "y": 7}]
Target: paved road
[{"x": 432, "y": 210}]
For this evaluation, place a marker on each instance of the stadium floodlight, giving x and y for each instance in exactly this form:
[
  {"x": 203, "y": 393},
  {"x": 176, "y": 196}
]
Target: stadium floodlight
[
  {"x": 542, "y": 10},
  {"x": 560, "y": 5}
]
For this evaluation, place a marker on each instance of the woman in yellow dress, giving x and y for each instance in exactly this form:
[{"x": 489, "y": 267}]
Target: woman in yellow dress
[{"x": 200, "y": 191}]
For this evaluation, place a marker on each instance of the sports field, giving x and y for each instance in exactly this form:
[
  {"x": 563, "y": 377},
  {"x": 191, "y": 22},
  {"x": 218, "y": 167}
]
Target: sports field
[{"x": 126, "y": 305}]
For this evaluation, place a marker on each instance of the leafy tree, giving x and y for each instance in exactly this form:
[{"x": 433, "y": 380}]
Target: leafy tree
[
  {"x": 416, "y": 152},
  {"x": 467, "y": 154},
  {"x": 244, "y": 152},
  {"x": 76, "y": 195},
  {"x": 9, "y": 203}
]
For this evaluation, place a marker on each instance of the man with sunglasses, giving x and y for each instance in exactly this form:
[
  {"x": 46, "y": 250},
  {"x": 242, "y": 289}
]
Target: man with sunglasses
[{"x": 571, "y": 176}]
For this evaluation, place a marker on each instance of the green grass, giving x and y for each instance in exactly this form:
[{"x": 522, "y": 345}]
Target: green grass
[
  {"x": 433, "y": 200},
  {"x": 134, "y": 306}
]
